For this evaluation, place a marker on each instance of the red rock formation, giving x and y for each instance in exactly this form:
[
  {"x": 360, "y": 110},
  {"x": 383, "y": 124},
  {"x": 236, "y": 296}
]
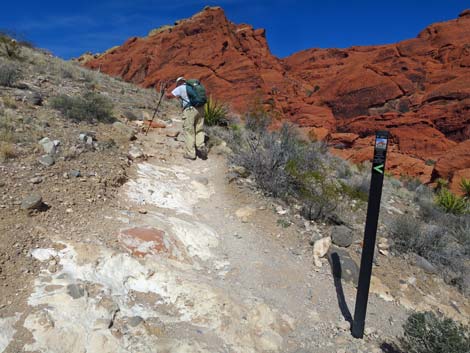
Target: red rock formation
[{"x": 419, "y": 89}]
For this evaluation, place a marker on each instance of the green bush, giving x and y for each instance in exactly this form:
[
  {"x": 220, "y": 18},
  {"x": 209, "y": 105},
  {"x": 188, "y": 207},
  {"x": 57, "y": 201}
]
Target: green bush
[
  {"x": 465, "y": 187},
  {"x": 283, "y": 223},
  {"x": 450, "y": 202},
  {"x": 427, "y": 333},
  {"x": 89, "y": 107},
  {"x": 320, "y": 195},
  {"x": 9, "y": 74},
  {"x": 215, "y": 113}
]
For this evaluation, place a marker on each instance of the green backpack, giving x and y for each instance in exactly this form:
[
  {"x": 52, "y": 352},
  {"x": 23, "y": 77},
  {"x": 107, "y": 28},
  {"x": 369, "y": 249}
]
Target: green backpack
[{"x": 196, "y": 93}]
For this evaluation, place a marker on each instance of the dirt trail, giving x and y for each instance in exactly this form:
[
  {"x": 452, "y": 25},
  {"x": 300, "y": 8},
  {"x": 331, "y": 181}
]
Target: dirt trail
[{"x": 174, "y": 269}]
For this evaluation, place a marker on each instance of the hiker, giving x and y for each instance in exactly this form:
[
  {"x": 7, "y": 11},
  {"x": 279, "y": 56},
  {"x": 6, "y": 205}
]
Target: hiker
[{"x": 192, "y": 96}]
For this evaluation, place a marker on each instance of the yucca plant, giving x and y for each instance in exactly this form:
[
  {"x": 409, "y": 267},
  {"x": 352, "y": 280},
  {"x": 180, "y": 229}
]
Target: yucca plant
[
  {"x": 465, "y": 188},
  {"x": 441, "y": 184},
  {"x": 215, "y": 113},
  {"x": 450, "y": 202}
]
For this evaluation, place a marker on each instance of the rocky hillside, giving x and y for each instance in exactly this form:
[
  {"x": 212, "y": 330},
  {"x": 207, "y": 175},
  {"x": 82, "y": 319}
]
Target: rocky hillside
[
  {"x": 56, "y": 171},
  {"x": 340, "y": 95}
]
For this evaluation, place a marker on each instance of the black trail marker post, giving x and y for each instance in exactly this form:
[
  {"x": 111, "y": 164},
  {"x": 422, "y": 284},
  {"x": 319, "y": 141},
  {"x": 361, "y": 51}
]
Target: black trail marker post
[{"x": 370, "y": 233}]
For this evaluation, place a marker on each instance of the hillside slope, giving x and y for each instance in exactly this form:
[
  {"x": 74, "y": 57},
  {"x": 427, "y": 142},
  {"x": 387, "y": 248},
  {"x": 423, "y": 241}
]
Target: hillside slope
[{"x": 111, "y": 241}]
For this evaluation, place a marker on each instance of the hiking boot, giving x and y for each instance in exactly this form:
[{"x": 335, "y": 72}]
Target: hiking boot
[
  {"x": 187, "y": 156},
  {"x": 202, "y": 153}
]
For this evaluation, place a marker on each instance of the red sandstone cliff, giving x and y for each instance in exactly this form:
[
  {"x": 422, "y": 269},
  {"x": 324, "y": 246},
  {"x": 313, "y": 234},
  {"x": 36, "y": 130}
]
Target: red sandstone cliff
[{"x": 419, "y": 89}]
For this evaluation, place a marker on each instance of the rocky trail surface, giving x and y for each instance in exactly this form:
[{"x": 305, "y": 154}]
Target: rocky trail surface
[{"x": 185, "y": 261}]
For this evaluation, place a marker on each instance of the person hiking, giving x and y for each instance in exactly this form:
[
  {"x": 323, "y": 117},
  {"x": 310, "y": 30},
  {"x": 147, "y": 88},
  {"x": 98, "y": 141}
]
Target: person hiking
[{"x": 192, "y": 96}]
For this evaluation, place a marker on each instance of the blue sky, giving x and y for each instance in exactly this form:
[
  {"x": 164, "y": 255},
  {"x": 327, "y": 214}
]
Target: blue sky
[{"x": 69, "y": 28}]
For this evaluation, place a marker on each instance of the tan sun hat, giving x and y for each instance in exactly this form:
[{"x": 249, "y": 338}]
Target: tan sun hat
[{"x": 181, "y": 78}]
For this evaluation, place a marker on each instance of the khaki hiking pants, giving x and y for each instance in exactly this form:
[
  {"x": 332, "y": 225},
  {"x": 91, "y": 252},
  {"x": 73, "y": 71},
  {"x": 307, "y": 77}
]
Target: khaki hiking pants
[{"x": 193, "y": 130}]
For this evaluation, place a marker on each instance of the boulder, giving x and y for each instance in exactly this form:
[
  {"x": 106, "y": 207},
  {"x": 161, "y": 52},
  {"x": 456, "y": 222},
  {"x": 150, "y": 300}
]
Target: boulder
[
  {"x": 341, "y": 236},
  {"x": 36, "y": 180},
  {"x": 74, "y": 174},
  {"x": 135, "y": 321},
  {"x": 75, "y": 290},
  {"x": 135, "y": 152},
  {"x": 31, "y": 202},
  {"x": 48, "y": 146},
  {"x": 46, "y": 160},
  {"x": 343, "y": 266},
  {"x": 320, "y": 249}
]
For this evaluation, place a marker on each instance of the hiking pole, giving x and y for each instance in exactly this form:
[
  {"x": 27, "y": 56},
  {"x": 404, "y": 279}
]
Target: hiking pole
[{"x": 162, "y": 92}]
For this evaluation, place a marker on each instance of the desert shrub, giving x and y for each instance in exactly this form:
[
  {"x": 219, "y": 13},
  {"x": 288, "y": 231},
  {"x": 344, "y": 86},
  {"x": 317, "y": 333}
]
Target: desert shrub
[
  {"x": 9, "y": 46},
  {"x": 405, "y": 231},
  {"x": 88, "y": 76},
  {"x": 320, "y": 195},
  {"x": 465, "y": 187},
  {"x": 89, "y": 107},
  {"x": 410, "y": 183},
  {"x": 357, "y": 186},
  {"x": 215, "y": 113},
  {"x": 257, "y": 122},
  {"x": 394, "y": 182},
  {"x": 427, "y": 333},
  {"x": 458, "y": 227},
  {"x": 9, "y": 74},
  {"x": 283, "y": 223},
  {"x": 450, "y": 202},
  {"x": 67, "y": 72},
  {"x": 283, "y": 166},
  {"x": 7, "y": 129},
  {"x": 355, "y": 191},
  {"x": 7, "y": 138},
  {"x": 266, "y": 156},
  {"x": 343, "y": 169},
  {"x": 9, "y": 102},
  {"x": 410, "y": 235},
  {"x": 445, "y": 243},
  {"x": 7, "y": 151},
  {"x": 424, "y": 198}
]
